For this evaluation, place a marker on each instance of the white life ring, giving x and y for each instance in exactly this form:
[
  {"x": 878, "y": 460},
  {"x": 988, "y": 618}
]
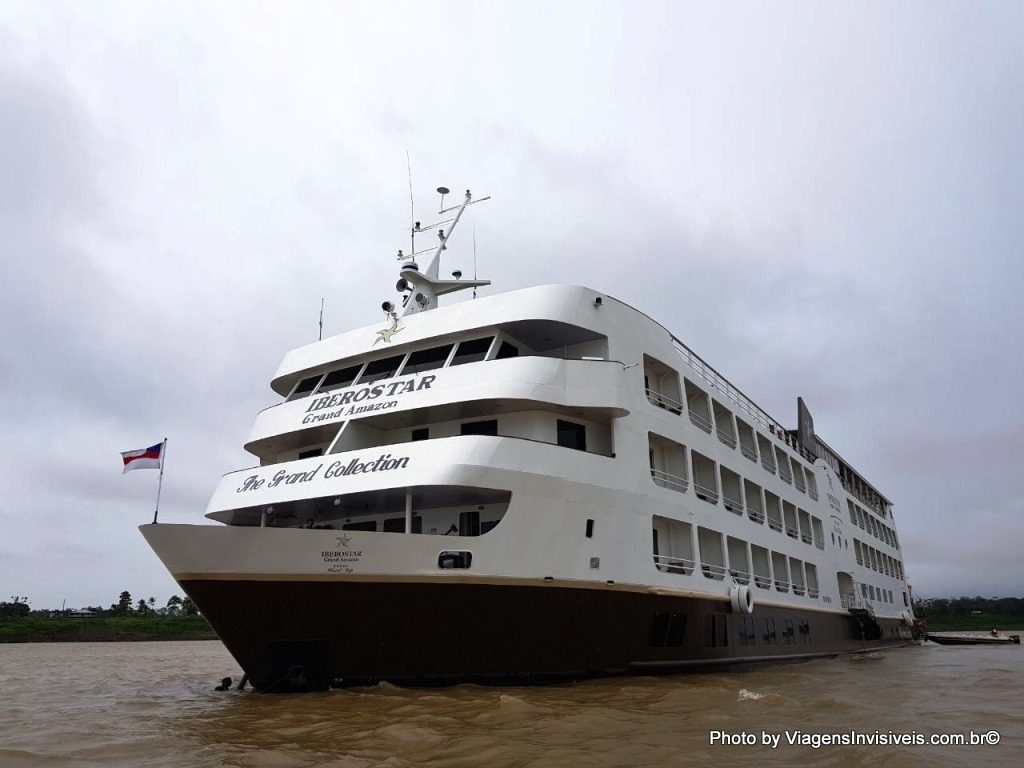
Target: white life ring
[{"x": 741, "y": 599}]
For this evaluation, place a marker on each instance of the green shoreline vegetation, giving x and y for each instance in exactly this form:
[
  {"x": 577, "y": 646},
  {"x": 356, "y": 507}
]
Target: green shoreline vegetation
[
  {"x": 971, "y": 613},
  {"x": 123, "y": 621}
]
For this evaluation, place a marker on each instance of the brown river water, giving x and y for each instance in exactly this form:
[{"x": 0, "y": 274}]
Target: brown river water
[{"x": 153, "y": 704}]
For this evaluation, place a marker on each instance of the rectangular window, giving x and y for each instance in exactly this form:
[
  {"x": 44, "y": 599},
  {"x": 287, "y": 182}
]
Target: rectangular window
[
  {"x": 489, "y": 427},
  {"x": 590, "y": 534},
  {"x": 572, "y": 435},
  {"x": 427, "y": 359},
  {"x": 716, "y": 633},
  {"x": 472, "y": 351},
  {"x": 339, "y": 379},
  {"x": 397, "y": 524},
  {"x": 305, "y": 386},
  {"x": 380, "y": 369},
  {"x": 769, "y": 632},
  {"x": 469, "y": 523},
  {"x": 506, "y": 350},
  {"x": 368, "y": 525},
  {"x": 423, "y": 433},
  {"x": 676, "y": 630}
]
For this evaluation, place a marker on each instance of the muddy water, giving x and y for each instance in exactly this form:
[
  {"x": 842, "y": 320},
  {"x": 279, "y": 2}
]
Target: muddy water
[{"x": 153, "y": 704}]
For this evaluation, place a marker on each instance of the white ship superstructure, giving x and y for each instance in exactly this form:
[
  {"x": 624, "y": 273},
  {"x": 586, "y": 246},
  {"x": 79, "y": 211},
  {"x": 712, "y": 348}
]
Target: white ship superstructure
[{"x": 538, "y": 484}]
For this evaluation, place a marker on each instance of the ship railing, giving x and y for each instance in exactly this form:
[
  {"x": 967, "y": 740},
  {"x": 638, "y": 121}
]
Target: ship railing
[
  {"x": 671, "y": 564},
  {"x": 819, "y": 543},
  {"x": 792, "y": 532},
  {"x": 813, "y": 592},
  {"x": 699, "y": 421},
  {"x": 798, "y": 481},
  {"x": 764, "y": 582},
  {"x": 860, "y": 560},
  {"x": 806, "y": 538},
  {"x": 756, "y": 515},
  {"x": 781, "y": 585},
  {"x": 746, "y": 451},
  {"x": 668, "y": 480},
  {"x": 768, "y": 465},
  {"x": 740, "y": 577},
  {"x": 775, "y": 525},
  {"x": 798, "y": 589},
  {"x": 705, "y": 493},
  {"x": 726, "y": 438},
  {"x": 785, "y": 474},
  {"x": 732, "y": 505},
  {"x": 723, "y": 385},
  {"x": 812, "y": 492},
  {"x": 713, "y": 570},
  {"x": 664, "y": 401}
]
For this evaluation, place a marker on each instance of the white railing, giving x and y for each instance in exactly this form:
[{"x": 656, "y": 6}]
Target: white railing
[
  {"x": 806, "y": 538},
  {"x": 781, "y": 586},
  {"x": 798, "y": 481},
  {"x": 769, "y": 465},
  {"x": 726, "y": 438},
  {"x": 785, "y": 474},
  {"x": 764, "y": 582},
  {"x": 700, "y": 421},
  {"x": 674, "y": 564},
  {"x": 713, "y": 571},
  {"x": 798, "y": 589},
  {"x": 740, "y": 577},
  {"x": 732, "y": 505},
  {"x": 775, "y": 525},
  {"x": 792, "y": 532},
  {"x": 819, "y": 543},
  {"x": 706, "y": 494},
  {"x": 749, "y": 453},
  {"x": 664, "y": 401},
  {"x": 813, "y": 592},
  {"x": 667, "y": 480},
  {"x": 756, "y": 515}
]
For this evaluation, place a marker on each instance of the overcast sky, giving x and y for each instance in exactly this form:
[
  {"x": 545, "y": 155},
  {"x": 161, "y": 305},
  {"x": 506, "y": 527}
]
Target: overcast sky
[{"x": 821, "y": 199}]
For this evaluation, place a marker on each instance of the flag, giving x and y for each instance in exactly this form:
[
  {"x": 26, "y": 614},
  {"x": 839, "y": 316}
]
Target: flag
[{"x": 147, "y": 458}]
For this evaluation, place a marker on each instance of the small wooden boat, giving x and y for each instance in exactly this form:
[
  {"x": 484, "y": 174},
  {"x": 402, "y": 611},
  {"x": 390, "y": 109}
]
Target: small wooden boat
[{"x": 973, "y": 639}]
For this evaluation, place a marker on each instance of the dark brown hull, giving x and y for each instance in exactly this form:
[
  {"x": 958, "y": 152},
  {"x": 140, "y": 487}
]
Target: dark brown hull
[{"x": 302, "y": 635}]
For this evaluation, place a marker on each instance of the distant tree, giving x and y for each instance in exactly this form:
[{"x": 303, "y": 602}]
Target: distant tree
[
  {"x": 123, "y": 606},
  {"x": 14, "y": 610},
  {"x": 173, "y": 606},
  {"x": 188, "y": 607},
  {"x": 142, "y": 609}
]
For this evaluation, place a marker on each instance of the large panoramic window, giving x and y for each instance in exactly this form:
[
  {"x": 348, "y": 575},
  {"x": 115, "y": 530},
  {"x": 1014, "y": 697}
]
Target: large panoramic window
[
  {"x": 305, "y": 387},
  {"x": 380, "y": 369},
  {"x": 427, "y": 359},
  {"x": 472, "y": 351},
  {"x": 339, "y": 379}
]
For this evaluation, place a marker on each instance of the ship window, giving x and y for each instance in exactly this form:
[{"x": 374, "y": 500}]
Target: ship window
[
  {"x": 311, "y": 453},
  {"x": 397, "y": 524},
  {"x": 489, "y": 427},
  {"x": 716, "y": 631},
  {"x": 380, "y": 369},
  {"x": 427, "y": 359},
  {"x": 339, "y": 379},
  {"x": 769, "y": 631},
  {"x": 748, "y": 633},
  {"x": 667, "y": 629},
  {"x": 472, "y": 351},
  {"x": 506, "y": 350},
  {"x": 469, "y": 523},
  {"x": 454, "y": 560},
  {"x": 572, "y": 435},
  {"x": 305, "y": 387},
  {"x": 590, "y": 532},
  {"x": 423, "y": 433},
  {"x": 368, "y": 525}
]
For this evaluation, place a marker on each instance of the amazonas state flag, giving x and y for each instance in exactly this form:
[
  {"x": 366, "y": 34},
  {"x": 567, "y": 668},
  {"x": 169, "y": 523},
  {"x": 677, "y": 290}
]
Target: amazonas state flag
[{"x": 147, "y": 458}]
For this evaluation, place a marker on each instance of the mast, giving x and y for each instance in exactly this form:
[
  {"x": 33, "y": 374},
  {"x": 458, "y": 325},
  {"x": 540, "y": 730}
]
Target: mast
[{"x": 422, "y": 289}]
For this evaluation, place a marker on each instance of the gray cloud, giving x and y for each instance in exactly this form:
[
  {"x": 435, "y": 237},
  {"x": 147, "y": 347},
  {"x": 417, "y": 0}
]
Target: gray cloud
[{"x": 823, "y": 204}]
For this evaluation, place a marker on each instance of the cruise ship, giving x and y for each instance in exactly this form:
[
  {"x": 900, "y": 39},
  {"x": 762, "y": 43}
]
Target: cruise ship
[{"x": 537, "y": 485}]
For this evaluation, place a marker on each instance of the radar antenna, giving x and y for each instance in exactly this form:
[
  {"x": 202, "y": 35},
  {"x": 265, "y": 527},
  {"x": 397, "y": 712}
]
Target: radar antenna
[{"x": 422, "y": 289}]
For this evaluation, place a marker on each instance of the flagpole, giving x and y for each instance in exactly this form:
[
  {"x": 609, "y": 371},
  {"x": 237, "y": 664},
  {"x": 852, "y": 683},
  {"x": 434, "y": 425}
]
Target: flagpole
[{"x": 160, "y": 483}]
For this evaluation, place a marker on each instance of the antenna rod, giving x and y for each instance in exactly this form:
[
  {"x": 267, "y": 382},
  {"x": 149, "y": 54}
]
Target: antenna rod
[
  {"x": 321, "y": 336},
  {"x": 412, "y": 207},
  {"x": 474, "y": 258}
]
